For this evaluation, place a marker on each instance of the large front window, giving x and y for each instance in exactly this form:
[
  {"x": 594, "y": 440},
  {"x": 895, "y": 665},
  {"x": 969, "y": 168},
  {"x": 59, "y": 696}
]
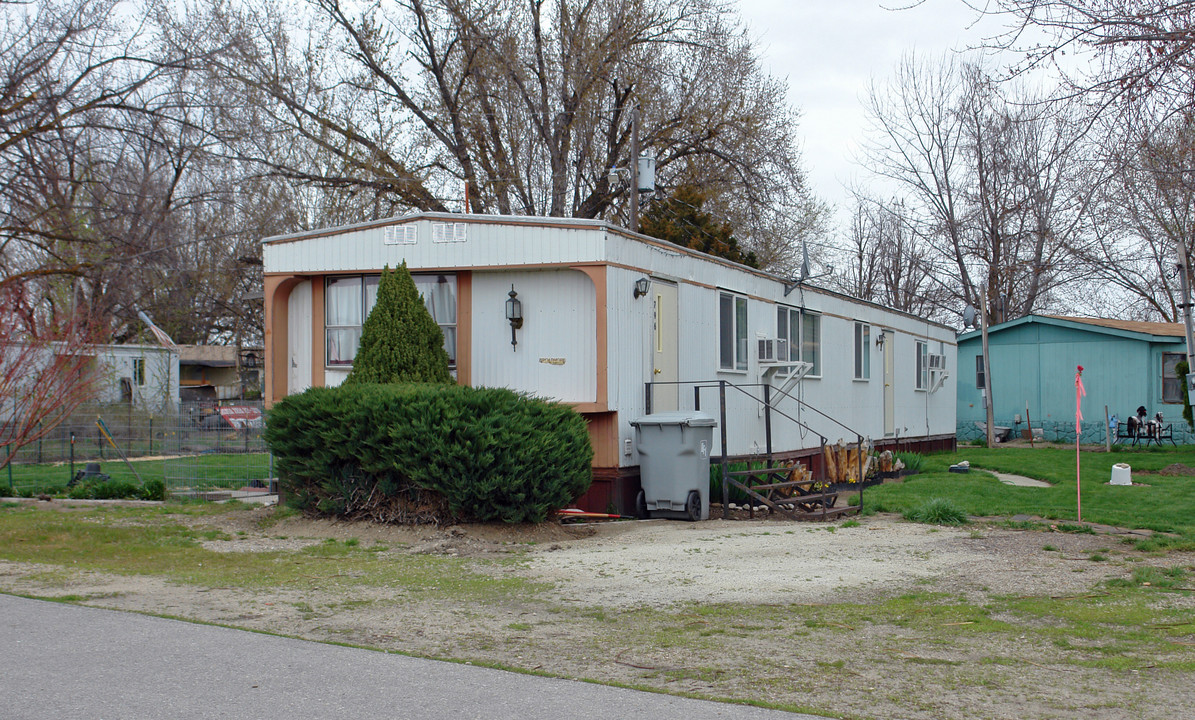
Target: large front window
[
  {"x": 348, "y": 300},
  {"x": 732, "y": 332}
]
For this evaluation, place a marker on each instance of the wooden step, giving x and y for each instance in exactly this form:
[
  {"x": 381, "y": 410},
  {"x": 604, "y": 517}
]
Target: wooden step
[
  {"x": 816, "y": 499},
  {"x": 828, "y": 514},
  {"x": 761, "y": 471},
  {"x": 785, "y": 485}
]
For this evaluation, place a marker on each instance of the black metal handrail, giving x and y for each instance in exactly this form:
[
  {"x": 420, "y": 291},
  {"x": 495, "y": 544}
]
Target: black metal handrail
[{"x": 769, "y": 408}]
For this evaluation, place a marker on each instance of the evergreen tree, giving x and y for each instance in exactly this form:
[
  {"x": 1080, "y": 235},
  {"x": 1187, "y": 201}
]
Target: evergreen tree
[
  {"x": 400, "y": 342},
  {"x": 679, "y": 219}
]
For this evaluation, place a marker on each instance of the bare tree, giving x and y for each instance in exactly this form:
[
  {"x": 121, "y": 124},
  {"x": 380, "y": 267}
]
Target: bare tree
[
  {"x": 1128, "y": 50},
  {"x": 1147, "y": 209},
  {"x": 991, "y": 184},
  {"x": 507, "y": 106},
  {"x": 887, "y": 262},
  {"x": 47, "y": 368}
]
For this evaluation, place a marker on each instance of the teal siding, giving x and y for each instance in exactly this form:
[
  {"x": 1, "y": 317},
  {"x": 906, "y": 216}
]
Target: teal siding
[{"x": 1034, "y": 363}]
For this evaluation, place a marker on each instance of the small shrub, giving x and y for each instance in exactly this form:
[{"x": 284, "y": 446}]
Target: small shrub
[
  {"x": 400, "y": 342},
  {"x": 937, "y": 511},
  {"x": 153, "y": 490}
]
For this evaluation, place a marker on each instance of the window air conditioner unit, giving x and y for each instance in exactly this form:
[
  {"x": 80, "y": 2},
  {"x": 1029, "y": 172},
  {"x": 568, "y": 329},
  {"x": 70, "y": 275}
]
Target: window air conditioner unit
[
  {"x": 937, "y": 362},
  {"x": 767, "y": 351}
]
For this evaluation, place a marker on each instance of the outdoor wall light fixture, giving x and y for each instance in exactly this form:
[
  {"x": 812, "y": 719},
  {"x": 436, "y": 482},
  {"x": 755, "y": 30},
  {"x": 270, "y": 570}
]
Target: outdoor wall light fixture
[
  {"x": 514, "y": 313},
  {"x": 641, "y": 287},
  {"x": 880, "y": 340}
]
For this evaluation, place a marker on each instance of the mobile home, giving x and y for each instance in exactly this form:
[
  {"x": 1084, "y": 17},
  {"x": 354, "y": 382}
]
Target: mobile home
[{"x": 618, "y": 325}]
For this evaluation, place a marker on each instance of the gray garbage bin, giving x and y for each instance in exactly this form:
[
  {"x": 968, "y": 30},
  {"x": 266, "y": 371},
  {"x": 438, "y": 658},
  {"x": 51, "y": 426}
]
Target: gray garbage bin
[{"x": 674, "y": 464}]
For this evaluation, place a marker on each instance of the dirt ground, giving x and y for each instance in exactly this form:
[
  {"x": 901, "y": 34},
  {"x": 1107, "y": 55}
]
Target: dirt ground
[{"x": 622, "y": 596}]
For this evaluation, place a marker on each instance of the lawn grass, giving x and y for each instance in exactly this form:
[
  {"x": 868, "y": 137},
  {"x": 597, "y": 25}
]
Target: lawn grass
[
  {"x": 151, "y": 541},
  {"x": 1161, "y": 503},
  {"x": 204, "y": 471}
]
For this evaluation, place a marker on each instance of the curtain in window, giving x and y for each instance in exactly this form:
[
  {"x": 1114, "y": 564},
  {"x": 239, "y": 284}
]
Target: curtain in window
[{"x": 343, "y": 302}]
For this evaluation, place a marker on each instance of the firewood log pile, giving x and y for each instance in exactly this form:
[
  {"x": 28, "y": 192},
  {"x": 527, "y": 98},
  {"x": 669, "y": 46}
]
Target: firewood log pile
[{"x": 843, "y": 465}]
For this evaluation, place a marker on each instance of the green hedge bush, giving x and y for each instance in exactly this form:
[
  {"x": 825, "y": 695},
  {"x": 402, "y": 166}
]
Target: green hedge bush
[{"x": 428, "y": 453}]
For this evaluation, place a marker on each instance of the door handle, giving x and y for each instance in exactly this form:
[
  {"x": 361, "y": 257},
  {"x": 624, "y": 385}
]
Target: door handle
[{"x": 656, "y": 371}]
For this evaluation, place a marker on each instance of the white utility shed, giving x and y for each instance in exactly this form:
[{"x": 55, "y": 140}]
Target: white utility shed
[{"x": 590, "y": 336}]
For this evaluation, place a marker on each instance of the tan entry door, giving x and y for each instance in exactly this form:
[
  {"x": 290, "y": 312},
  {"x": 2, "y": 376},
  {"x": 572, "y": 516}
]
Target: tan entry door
[{"x": 665, "y": 364}]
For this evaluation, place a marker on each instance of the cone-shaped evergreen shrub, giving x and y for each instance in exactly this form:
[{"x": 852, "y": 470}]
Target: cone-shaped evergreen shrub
[
  {"x": 392, "y": 451},
  {"x": 400, "y": 341}
]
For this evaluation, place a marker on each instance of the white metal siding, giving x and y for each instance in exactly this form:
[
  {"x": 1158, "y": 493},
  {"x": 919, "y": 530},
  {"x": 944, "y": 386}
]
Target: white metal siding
[
  {"x": 486, "y": 245},
  {"x": 560, "y": 326},
  {"x": 556, "y": 355}
]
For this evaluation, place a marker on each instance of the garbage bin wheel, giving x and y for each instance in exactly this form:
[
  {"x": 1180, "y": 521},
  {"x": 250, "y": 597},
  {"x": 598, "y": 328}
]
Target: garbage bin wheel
[
  {"x": 693, "y": 506},
  {"x": 641, "y": 506}
]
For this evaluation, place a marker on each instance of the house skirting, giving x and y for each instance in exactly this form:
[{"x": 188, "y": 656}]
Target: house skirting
[{"x": 614, "y": 489}]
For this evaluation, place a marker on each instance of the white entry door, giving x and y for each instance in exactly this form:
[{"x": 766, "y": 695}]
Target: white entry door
[
  {"x": 889, "y": 380},
  {"x": 665, "y": 357},
  {"x": 298, "y": 339}
]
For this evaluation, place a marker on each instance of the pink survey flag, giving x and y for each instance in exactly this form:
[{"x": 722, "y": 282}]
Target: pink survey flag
[{"x": 1080, "y": 392}]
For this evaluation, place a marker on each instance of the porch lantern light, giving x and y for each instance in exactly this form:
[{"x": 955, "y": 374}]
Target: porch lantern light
[
  {"x": 880, "y": 340},
  {"x": 514, "y": 313},
  {"x": 641, "y": 287}
]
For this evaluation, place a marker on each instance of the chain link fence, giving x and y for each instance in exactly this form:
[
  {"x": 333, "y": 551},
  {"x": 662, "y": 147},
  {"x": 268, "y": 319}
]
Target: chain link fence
[
  {"x": 199, "y": 450},
  {"x": 1063, "y": 432}
]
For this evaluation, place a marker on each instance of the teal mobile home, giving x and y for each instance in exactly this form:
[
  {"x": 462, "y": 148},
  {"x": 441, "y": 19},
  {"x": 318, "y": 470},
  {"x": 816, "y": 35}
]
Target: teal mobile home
[{"x": 1126, "y": 365}]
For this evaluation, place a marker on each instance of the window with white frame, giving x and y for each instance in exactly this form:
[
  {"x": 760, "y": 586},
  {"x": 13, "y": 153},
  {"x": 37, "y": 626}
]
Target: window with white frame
[
  {"x": 922, "y": 365},
  {"x": 862, "y": 351},
  {"x": 732, "y": 332},
  {"x": 980, "y": 381},
  {"x": 1172, "y": 387},
  {"x": 811, "y": 341},
  {"x": 788, "y": 334},
  {"x": 349, "y": 299},
  {"x": 139, "y": 372}
]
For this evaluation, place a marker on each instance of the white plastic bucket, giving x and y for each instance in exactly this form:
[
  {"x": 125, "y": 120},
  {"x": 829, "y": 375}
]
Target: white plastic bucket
[{"x": 1121, "y": 474}]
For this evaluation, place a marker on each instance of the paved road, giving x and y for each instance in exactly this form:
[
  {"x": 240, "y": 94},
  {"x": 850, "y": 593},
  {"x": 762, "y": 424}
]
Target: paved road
[{"x": 64, "y": 661}]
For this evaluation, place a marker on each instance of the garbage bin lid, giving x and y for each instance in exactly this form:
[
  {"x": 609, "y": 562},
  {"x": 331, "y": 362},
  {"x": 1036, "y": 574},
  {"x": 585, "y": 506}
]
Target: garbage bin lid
[{"x": 691, "y": 418}]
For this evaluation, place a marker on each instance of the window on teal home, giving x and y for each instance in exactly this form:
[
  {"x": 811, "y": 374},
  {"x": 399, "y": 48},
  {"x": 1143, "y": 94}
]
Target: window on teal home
[
  {"x": 979, "y": 374},
  {"x": 1172, "y": 388}
]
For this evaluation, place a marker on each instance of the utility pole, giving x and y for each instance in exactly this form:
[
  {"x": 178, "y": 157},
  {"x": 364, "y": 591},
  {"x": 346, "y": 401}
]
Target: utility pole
[
  {"x": 987, "y": 369},
  {"x": 1185, "y": 286},
  {"x": 633, "y": 211}
]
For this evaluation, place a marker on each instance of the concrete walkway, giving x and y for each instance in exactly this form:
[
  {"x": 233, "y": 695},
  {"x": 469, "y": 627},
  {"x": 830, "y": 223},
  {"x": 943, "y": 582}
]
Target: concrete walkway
[
  {"x": 66, "y": 661},
  {"x": 1018, "y": 480}
]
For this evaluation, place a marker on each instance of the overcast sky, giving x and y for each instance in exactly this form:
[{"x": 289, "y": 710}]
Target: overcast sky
[{"x": 830, "y": 49}]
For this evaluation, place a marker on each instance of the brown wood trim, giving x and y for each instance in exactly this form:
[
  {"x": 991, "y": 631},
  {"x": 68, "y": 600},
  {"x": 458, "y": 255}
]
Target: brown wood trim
[
  {"x": 464, "y": 327},
  {"x": 597, "y": 275},
  {"x": 603, "y": 436},
  {"x": 318, "y": 359},
  {"x": 276, "y": 290}
]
